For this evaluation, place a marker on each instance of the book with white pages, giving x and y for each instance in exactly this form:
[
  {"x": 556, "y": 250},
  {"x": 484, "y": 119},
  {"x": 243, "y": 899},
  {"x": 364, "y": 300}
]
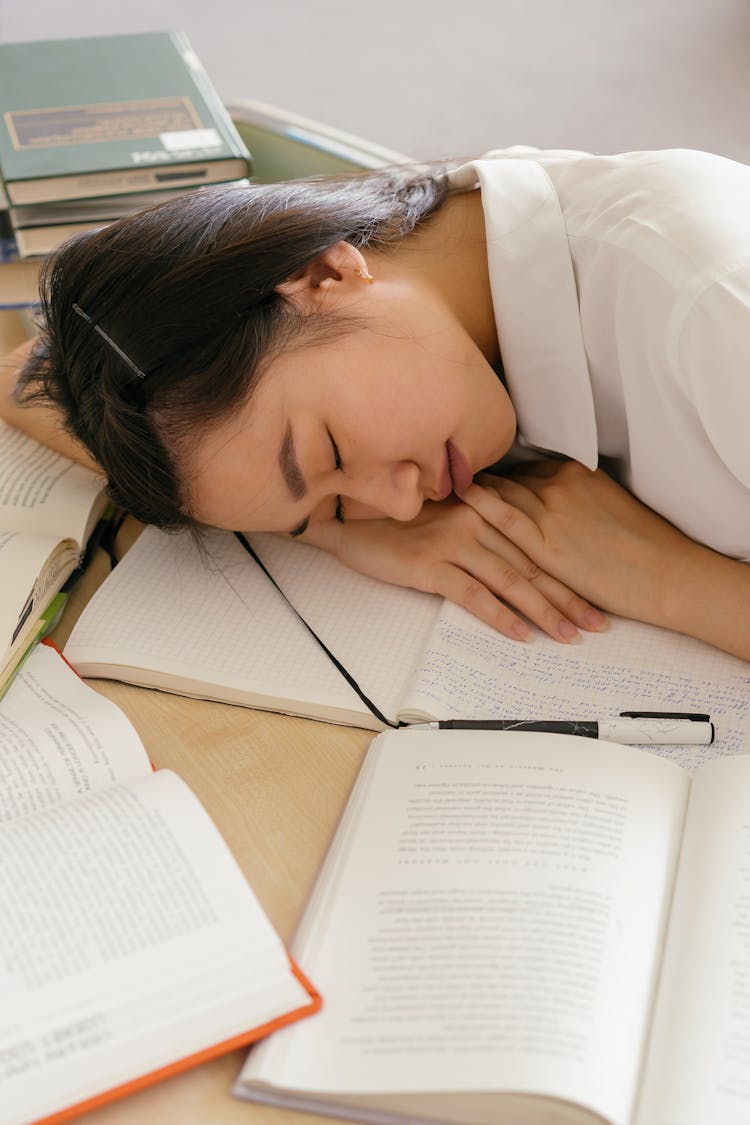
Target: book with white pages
[
  {"x": 131, "y": 945},
  {"x": 204, "y": 620},
  {"x": 526, "y": 929}
]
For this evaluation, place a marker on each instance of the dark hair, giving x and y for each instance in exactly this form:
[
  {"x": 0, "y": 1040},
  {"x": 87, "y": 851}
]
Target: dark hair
[{"x": 187, "y": 290}]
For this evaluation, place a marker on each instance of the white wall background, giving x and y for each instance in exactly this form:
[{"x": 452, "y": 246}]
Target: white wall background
[{"x": 451, "y": 77}]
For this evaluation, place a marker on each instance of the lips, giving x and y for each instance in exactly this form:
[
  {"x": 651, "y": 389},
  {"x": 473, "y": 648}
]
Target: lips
[
  {"x": 459, "y": 468},
  {"x": 445, "y": 484}
]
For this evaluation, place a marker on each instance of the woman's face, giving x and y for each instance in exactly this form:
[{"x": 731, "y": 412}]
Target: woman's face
[{"x": 371, "y": 423}]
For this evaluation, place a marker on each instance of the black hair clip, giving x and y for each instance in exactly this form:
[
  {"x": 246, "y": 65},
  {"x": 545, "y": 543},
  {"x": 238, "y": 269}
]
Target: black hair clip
[
  {"x": 131, "y": 391},
  {"x": 108, "y": 339}
]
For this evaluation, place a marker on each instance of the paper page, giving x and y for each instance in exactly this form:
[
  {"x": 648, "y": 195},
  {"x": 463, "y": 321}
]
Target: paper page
[
  {"x": 491, "y": 910},
  {"x": 213, "y": 617},
  {"x": 41, "y": 491},
  {"x": 32, "y": 570},
  {"x": 128, "y": 939},
  {"x": 699, "y": 1060},
  {"x": 471, "y": 671},
  {"x": 60, "y": 739}
]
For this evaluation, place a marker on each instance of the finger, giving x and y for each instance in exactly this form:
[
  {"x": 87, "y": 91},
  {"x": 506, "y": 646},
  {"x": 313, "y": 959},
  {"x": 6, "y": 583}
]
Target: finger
[
  {"x": 519, "y": 493},
  {"x": 508, "y": 573},
  {"x": 486, "y": 574},
  {"x": 571, "y": 605},
  {"x": 463, "y": 589},
  {"x": 510, "y": 519},
  {"x": 575, "y": 608},
  {"x": 508, "y": 487},
  {"x": 498, "y": 544}
]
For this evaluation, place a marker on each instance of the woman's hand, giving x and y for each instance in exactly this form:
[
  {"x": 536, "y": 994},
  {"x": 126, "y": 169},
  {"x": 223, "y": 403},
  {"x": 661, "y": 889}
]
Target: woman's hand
[
  {"x": 452, "y": 550},
  {"x": 587, "y": 531},
  {"x": 583, "y": 528}
]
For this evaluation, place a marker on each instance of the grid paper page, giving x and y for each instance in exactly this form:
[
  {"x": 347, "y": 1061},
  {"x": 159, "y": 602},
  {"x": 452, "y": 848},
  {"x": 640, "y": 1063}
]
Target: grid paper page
[
  {"x": 211, "y": 615},
  {"x": 379, "y": 632},
  {"x": 470, "y": 671}
]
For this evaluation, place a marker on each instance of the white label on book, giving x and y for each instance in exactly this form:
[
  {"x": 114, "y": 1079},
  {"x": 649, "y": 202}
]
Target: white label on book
[{"x": 190, "y": 139}]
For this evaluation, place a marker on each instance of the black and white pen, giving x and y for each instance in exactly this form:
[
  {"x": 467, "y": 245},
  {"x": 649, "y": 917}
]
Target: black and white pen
[{"x": 636, "y": 729}]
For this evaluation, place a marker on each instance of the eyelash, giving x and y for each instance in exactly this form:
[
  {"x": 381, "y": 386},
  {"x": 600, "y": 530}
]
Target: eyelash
[{"x": 339, "y": 513}]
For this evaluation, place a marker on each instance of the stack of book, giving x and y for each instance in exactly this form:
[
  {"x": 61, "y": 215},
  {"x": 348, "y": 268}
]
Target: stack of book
[{"x": 93, "y": 129}]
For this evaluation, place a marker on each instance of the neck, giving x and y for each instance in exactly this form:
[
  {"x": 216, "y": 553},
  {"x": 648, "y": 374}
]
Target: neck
[{"x": 449, "y": 257}]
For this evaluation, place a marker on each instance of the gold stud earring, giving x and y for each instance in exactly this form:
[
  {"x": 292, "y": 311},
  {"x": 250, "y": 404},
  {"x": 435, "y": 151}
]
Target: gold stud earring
[{"x": 365, "y": 276}]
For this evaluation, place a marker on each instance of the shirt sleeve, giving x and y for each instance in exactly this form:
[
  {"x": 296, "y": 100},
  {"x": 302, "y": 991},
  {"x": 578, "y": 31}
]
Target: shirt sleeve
[{"x": 714, "y": 359}]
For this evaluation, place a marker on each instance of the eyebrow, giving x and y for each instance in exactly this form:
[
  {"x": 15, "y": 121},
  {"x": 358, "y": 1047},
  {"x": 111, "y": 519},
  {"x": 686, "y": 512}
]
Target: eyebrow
[
  {"x": 292, "y": 473},
  {"x": 290, "y": 469}
]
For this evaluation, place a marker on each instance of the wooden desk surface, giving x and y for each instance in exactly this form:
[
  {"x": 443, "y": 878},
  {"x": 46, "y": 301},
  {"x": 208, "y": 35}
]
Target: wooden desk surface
[{"x": 275, "y": 787}]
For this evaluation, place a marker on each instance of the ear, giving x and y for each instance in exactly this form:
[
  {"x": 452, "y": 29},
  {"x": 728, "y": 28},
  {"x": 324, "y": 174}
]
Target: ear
[{"x": 329, "y": 275}]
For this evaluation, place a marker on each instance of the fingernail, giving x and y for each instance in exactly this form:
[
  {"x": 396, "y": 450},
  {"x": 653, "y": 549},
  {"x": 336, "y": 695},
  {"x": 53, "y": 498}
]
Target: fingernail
[
  {"x": 568, "y": 632},
  {"x": 593, "y": 619},
  {"x": 521, "y": 630}
]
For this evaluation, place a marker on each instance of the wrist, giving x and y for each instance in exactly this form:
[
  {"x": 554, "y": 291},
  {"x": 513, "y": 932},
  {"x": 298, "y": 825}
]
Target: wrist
[
  {"x": 682, "y": 588},
  {"x": 707, "y": 595}
]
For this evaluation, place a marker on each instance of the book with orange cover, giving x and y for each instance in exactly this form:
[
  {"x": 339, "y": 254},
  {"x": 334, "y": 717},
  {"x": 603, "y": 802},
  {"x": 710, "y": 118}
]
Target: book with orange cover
[{"x": 131, "y": 945}]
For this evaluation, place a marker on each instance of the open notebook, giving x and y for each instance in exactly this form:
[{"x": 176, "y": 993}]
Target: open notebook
[{"x": 208, "y": 622}]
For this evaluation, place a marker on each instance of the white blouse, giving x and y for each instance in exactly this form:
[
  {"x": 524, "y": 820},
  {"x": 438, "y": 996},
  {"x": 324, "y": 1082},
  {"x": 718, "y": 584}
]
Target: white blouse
[{"x": 621, "y": 288}]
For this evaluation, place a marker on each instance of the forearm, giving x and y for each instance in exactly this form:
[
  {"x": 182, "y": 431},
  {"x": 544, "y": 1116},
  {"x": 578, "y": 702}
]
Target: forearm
[
  {"x": 39, "y": 421},
  {"x": 708, "y": 597}
]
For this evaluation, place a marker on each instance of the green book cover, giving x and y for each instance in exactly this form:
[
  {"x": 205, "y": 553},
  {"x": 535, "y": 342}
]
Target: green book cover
[
  {"x": 110, "y": 114},
  {"x": 44, "y": 625}
]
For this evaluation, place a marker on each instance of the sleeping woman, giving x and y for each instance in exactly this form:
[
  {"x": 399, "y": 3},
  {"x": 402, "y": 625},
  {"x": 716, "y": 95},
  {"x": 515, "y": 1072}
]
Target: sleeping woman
[{"x": 523, "y": 383}]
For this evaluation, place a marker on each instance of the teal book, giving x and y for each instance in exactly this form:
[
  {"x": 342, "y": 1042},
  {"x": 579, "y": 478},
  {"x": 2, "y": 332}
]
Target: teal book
[{"x": 109, "y": 115}]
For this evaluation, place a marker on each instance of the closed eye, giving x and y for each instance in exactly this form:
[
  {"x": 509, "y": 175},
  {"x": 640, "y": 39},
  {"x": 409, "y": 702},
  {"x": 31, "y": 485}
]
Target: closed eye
[{"x": 339, "y": 513}]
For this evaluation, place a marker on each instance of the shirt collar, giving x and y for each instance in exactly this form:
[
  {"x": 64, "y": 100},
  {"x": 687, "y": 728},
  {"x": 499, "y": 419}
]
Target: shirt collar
[{"x": 536, "y": 305}]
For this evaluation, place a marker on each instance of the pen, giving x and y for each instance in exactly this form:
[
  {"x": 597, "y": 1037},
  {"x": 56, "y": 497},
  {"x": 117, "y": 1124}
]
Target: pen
[{"x": 667, "y": 729}]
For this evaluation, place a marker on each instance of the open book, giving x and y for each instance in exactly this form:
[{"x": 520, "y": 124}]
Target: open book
[
  {"x": 526, "y": 929},
  {"x": 48, "y": 509},
  {"x": 131, "y": 945},
  {"x": 208, "y": 622}
]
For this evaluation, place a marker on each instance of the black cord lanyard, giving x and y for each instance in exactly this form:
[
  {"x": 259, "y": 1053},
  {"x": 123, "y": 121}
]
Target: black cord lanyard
[{"x": 337, "y": 663}]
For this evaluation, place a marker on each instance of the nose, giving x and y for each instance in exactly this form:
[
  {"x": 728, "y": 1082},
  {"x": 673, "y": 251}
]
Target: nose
[{"x": 392, "y": 491}]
